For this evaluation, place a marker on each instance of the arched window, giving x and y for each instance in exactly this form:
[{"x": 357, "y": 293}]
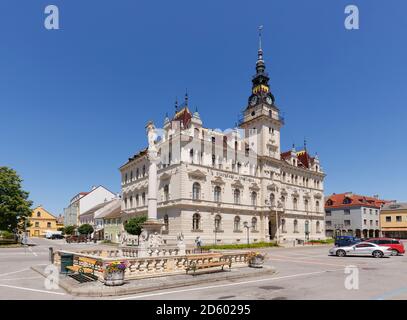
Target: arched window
[
  {"x": 272, "y": 199},
  {"x": 144, "y": 170},
  {"x": 306, "y": 204},
  {"x": 254, "y": 198},
  {"x": 295, "y": 203},
  {"x": 236, "y": 225},
  {"x": 196, "y": 191},
  {"x": 125, "y": 178},
  {"x": 137, "y": 200},
  {"x": 236, "y": 195},
  {"x": 283, "y": 201},
  {"x": 131, "y": 201},
  {"x": 166, "y": 223},
  {"x": 38, "y": 214},
  {"x": 318, "y": 227},
  {"x": 125, "y": 203},
  {"x": 317, "y": 206},
  {"x": 131, "y": 175},
  {"x": 217, "y": 193},
  {"x": 218, "y": 222},
  {"x": 254, "y": 224},
  {"x": 137, "y": 173},
  {"x": 283, "y": 226},
  {"x": 196, "y": 221},
  {"x": 191, "y": 155},
  {"x": 296, "y": 226},
  {"x": 166, "y": 193},
  {"x": 143, "y": 198}
]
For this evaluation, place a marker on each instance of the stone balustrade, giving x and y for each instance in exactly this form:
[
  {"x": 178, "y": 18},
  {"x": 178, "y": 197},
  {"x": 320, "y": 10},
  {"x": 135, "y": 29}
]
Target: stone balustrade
[{"x": 168, "y": 262}]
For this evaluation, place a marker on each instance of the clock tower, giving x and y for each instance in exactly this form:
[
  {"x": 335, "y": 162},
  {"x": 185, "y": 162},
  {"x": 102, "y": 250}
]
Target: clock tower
[{"x": 261, "y": 117}]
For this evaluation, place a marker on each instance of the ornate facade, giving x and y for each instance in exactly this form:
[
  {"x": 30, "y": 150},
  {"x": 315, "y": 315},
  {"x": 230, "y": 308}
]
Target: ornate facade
[{"x": 233, "y": 186}]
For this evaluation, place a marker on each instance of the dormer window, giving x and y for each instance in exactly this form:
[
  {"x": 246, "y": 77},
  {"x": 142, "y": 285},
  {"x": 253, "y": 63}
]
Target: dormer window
[
  {"x": 329, "y": 202},
  {"x": 347, "y": 201}
]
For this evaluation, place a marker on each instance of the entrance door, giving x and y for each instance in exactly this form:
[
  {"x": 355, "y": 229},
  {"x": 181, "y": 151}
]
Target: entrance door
[
  {"x": 36, "y": 233},
  {"x": 272, "y": 228}
]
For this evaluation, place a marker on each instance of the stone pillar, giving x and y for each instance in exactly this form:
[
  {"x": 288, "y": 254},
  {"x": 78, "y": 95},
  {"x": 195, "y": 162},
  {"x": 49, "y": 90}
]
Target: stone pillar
[{"x": 150, "y": 238}]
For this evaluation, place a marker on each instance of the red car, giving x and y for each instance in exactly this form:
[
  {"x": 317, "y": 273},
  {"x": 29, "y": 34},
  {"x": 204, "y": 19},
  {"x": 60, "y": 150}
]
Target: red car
[{"x": 395, "y": 244}]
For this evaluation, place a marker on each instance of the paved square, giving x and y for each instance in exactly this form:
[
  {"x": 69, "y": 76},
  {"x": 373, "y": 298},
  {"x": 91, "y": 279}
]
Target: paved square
[{"x": 302, "y": 273}]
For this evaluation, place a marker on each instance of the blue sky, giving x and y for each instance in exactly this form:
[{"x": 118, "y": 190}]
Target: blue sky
[{"x": 74, "y": 101}]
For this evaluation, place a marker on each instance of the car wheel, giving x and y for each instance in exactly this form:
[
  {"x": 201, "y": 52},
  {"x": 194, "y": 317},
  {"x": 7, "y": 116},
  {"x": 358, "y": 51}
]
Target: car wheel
[
  {"x": 394, "y": 252},
  {"x": 340, "y": 253},
  {"x": 377, "y": 254}
]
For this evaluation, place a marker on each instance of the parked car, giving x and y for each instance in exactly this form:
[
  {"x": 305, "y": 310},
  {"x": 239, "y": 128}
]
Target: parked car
[
  {"x": 395, "y": 244},
  {"x": 81, "y": 238},
  {"x": 344, "y": 241},
  {"x": 57, "y": 236},
  {"x": 362, "y": 249}
]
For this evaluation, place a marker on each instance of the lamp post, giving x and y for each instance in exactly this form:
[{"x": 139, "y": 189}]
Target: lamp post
[{"x": 246, "y": 225}]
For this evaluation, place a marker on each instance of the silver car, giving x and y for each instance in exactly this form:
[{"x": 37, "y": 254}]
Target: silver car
[{"x": 362, "y": 249}]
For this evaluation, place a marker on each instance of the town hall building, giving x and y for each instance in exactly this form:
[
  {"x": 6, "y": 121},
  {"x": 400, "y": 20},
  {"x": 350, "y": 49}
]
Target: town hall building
[{"x": 233, "y": 186}]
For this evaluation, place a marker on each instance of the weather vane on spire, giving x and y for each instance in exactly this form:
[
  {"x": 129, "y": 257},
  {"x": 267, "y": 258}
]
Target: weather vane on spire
[{"x": 260, "y": 29}]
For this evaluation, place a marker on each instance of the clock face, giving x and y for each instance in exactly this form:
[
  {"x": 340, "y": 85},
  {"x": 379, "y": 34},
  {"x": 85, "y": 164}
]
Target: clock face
[
  {"x": 269, "y": 100},
  {"x": 253, "y": 100}
]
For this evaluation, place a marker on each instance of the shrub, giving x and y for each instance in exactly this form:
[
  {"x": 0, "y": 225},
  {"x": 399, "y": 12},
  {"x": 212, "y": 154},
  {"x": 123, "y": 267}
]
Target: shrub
[
  {"x": 241, "y": 245},
  {"x": 134, "y": 225},
  {"x": 7, "y": 235},
  {"x": 85, "y": 229}
]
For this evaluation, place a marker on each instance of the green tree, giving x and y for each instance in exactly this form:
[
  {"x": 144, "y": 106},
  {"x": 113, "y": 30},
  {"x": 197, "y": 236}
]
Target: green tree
[
  {"x": 14, "y": 204},
  {"x": 69, "y": 230},
  {"x": 85, "y": 229},
  {"x": 134, "y": 225}
]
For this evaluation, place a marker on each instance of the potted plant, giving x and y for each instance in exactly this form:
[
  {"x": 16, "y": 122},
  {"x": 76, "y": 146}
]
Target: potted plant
[
  {"x": 256, "y": 259},
  {"x": 114, "y": 273}
]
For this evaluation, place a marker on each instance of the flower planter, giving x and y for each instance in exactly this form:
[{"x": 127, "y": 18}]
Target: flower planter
[
  {"x": 115, "y": 278},
  {"x": 256, "y": 262}
]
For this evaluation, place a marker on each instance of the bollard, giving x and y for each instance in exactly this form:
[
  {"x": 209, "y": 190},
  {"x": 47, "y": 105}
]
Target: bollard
[{"x": 51, "y": 254}]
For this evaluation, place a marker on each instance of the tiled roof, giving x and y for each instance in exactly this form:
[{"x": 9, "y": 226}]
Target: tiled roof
[
  {"x": 304, "y": 159},
  {"x": 184, "y": 116},
  {"x": 346, "y": 200},
  {"x": 395, "y": 206}
]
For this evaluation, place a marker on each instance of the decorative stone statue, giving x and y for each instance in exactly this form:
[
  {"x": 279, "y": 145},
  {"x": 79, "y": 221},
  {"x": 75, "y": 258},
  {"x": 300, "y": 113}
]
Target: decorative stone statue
[
  {"x": 180, "y": 238},
  {"x": 151, "y": 135},
  {"x": 155, "y": 240}
]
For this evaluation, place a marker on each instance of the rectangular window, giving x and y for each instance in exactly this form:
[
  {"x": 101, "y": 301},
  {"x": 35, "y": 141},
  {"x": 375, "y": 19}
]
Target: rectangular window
[
  {"x": 364, "y": 221},
  {"x": 37, "y": 224},
  {"x": 347, "y": 222},
  {"x": 398, "y": 218},
  {"x": 328, "y": 223},
  {"x": 48, "y": 224},
  {"x": 328, "y": 213},
  {"x": 388, "y": 219},
  {"x": 346, "y": 211}
]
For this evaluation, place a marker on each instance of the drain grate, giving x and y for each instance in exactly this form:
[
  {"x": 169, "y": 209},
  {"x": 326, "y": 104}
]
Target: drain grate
[{"x": 271, "y": 288}]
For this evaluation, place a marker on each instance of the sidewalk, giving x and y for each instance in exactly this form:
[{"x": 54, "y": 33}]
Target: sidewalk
[{"x": 98, "y": 289}]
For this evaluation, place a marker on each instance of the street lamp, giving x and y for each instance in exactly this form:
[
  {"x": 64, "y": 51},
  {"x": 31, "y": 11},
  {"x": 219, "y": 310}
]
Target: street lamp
[{"x": 246, "y": 225}]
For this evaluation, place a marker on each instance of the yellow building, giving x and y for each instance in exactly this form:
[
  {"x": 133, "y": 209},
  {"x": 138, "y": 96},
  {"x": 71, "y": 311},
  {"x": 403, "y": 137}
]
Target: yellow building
[
  {"x": 393, "y": 220},
  {"x": 41, "y": 221}
]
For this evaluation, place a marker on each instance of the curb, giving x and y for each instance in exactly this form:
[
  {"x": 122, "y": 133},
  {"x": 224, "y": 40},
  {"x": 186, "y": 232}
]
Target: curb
[{"x": 84, "y": 290}]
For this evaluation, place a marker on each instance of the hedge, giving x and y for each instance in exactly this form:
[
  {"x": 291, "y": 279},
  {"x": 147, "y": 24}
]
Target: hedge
[{"x": 241, "y": 246}]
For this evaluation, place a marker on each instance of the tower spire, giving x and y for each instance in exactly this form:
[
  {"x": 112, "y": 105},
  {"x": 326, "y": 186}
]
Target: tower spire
[{"x": 186, "y": 97}]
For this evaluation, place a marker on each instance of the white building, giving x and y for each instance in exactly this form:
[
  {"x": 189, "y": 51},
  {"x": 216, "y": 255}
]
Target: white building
[
  {"x": 85, "y": 201},
  {"x": 353, "y": 215},
  {"x": 211, "y": 183}
]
